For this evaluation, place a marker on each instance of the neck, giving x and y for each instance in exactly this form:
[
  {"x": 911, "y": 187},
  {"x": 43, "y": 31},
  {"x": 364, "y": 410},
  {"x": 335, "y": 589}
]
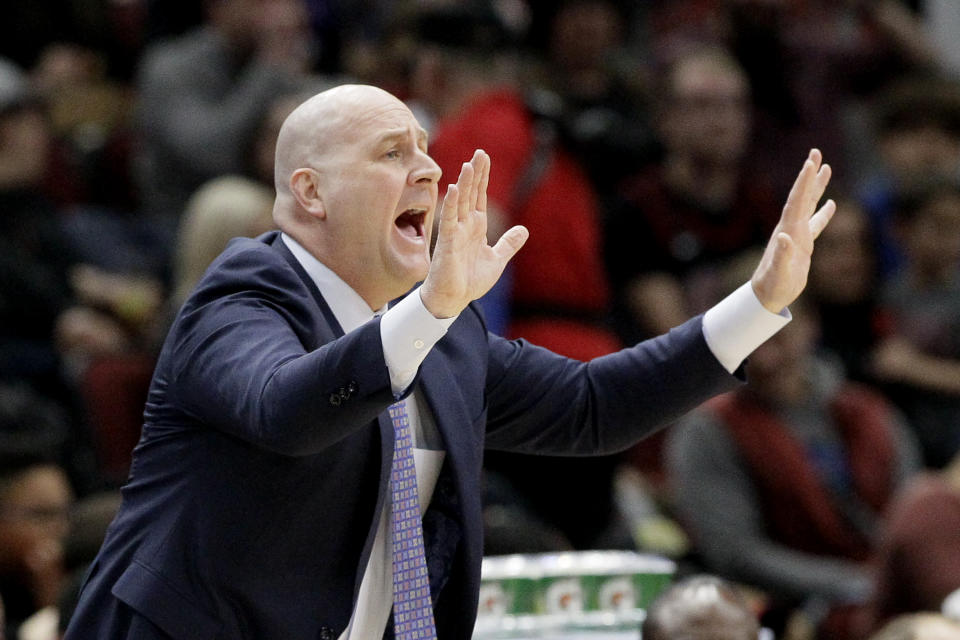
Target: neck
[{"x": 376, "y": 295}]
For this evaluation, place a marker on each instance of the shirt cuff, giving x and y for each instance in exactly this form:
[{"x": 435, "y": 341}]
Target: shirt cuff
[
  {"x": 738, "y": 324},
  {"x": 408, "y": 332}
]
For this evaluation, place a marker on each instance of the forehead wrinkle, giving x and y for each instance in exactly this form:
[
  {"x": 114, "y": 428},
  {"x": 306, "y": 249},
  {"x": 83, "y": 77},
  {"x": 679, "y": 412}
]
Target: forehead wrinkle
[
  {"x": 393, "y": 116},
  {"x": 400, "y": 133}
]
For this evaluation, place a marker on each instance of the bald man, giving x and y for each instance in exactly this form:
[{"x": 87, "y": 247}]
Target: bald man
[{"x": 260, "y": 498}]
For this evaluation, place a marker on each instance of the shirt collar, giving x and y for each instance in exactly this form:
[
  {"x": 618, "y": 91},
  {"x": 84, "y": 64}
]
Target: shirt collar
[{"x": 350, "y": 310}]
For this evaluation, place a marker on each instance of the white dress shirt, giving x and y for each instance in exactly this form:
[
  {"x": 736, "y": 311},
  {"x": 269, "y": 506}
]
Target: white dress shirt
[{"x": 732, "y": 329}]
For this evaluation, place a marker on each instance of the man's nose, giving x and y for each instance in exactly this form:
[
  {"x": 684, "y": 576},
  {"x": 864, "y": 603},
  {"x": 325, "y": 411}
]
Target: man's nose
[{"x": 427, "y": 171}]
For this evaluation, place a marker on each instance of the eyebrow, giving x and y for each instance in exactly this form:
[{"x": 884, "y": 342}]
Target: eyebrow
[{"x": 396, "y": 134}]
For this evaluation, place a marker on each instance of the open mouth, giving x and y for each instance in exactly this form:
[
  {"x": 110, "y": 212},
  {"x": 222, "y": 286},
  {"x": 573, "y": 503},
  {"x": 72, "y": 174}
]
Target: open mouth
[{"x": 410, "y": 222}]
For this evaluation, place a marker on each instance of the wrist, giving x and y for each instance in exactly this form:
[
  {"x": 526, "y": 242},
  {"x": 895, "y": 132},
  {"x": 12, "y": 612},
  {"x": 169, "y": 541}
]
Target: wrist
[
  {"x": 765, "y": 298},
  {"x": 440, "y": 307}
]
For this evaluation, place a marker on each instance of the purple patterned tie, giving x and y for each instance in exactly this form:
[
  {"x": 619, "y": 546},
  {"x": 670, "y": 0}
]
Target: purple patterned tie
[{"x": 412, "y": 606}]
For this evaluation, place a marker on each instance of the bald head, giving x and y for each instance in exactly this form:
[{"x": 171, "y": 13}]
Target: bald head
[
  {"x": 700, "y": 608},
  {"x": 321, "y": 125}
]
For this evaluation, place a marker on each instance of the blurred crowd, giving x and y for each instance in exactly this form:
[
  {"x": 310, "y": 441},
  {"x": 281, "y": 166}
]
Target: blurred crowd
[{"x": 647, "y": 145}]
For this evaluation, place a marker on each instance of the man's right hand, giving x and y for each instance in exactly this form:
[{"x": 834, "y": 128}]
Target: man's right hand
[{"x": 464, "y": 266}]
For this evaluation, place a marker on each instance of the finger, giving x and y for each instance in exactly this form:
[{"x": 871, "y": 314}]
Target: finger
[
  {"x": 448, "y": 211},
  {"x": 819, "y": 186},
  {"x": 822, "y": 218},
  {"x": 477, "y": 163},
  {"x": 784, "y": 250},
  {"x": 798, "y": 196},
  {"x": 465, "y": 187},
  {"x": 510, "y": 242},
  {"x": 484, "y": 181}
]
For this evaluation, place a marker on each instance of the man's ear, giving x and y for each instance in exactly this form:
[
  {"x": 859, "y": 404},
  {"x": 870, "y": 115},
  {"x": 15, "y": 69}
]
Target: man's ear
[{"x": 305, "y": 186}]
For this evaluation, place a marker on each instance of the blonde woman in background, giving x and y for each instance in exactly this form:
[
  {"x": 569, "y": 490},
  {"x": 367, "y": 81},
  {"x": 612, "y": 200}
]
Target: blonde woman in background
[{"x": 223, "y": 208}]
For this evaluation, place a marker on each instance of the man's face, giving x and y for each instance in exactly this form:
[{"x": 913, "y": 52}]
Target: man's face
[
  {"x": 379, "y": 191},
  {"x": 709, "y": 113},
  {"x": 34, "y": 512},
  {"x": 842, "y": 267}
]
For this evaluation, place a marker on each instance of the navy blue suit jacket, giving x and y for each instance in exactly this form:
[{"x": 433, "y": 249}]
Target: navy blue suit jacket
[{"x": 257, "y": 485}]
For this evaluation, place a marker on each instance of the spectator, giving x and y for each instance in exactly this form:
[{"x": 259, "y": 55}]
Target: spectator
[
  {"x": 783, "y": 483},
  {"x": 809, "y": 62},
  {"x": 921, "y": 358},
  {"x": 919, "y": 559},
  {"x": 88, "y": 525},
  {"x": 700, "y": 608},
  {"x": 917, "y": 122},
  {"x": 223, "y": 208},
  {"x": 35, "y": 499},
  {"x": 203, "y": 94},
  {"x": 680, "y": 220},
  {"x": 844, "y": 290},
  {"x": 593, "y": 87}
]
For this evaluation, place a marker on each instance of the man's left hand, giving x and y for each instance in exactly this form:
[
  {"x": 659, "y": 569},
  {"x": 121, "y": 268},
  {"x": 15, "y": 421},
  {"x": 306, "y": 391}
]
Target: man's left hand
[{"x": 782, "y": 273}]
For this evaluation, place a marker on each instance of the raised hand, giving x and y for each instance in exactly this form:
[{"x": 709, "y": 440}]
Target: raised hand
[
  {"x": 782, "y": 273},
  {"x": 464, "y": 266}
]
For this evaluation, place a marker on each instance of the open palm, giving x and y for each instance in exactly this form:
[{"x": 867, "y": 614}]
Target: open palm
[
  {"x": 782, "y": 273},
  {"x": 464, "y": 266}
]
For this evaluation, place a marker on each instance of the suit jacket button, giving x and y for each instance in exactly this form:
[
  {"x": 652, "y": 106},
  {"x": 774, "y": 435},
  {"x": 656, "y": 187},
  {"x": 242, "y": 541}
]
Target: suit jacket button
[
  {"x": 335, "y": 399},
  {"x": 326, "y": 633}
]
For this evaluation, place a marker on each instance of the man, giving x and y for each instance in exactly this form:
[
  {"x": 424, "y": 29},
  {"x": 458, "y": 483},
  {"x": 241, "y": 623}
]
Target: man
[
  {"x": 35, "y": 500},
  {"x": 258, "y": 503},
  {"x": 701, "y": 608},
  {"x": 682, "y": 218},
  {"x": 784, "y": 482}
]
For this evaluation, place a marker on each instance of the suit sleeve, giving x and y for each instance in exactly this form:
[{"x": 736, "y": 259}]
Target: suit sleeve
[
  {"x": 539, "y": 402},
  {"x": 240, "y": 362}
]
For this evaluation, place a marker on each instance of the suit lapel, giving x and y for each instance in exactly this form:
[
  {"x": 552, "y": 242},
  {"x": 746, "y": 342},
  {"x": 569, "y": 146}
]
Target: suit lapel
[{"x": 331, "y": 320}]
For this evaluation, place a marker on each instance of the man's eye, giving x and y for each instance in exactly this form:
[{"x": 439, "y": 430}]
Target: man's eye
[{"x": 392, "y": 154}]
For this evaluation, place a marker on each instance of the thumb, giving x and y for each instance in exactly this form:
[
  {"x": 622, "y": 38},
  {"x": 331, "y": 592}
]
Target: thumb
[
  {"x": 772, "y": 279},
  {"x": 511, "y": 242},
  {"x": 782, "y": 252}
]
